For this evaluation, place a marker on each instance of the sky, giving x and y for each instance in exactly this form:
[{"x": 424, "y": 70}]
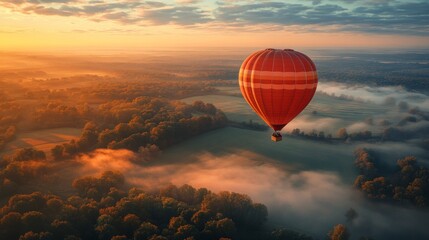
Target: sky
[{"x": 42, "y": 25}]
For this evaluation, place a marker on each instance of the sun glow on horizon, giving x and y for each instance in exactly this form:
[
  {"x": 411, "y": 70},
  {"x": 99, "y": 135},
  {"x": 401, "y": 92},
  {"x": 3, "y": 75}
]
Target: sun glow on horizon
[{"x": 80, "y": 26}]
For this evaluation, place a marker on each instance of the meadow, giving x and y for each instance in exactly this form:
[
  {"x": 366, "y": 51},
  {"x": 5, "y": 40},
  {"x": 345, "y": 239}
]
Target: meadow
[
  {"x": 43, "y": 140},
  {"x": 310, "y": 164}
]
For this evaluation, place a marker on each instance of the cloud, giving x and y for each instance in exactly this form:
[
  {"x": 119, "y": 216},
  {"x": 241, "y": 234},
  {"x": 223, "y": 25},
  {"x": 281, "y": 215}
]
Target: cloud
[
  {"x": 289, "y": 196},
  {"x": 358, "y": 127},
  {"x": 359, "y": 108},
  {"x": 47, "y": 11},
  {"x": 390, "y": 152},
  {"x": 181, "y": 15},
  {"x": 378, "y": 95},
  {"x": 395, "y": 17},
  {"x": 187, "y": 1},
  {"x": 125, "y": 12},
  {"x": 308, "y": 123},
  {"x": 400, "y": 17},
  {"x": 19, "y": 2},
  {"x": 311, "y": 201}
]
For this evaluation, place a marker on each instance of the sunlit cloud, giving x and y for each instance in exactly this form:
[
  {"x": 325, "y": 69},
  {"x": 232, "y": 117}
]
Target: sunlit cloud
[{"x": 389, "y": 17}]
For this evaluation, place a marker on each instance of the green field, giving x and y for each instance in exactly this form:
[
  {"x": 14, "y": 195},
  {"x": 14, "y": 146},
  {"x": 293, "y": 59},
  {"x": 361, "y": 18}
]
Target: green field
[
  {"x": 297, "y": 179},
  {"x": 324, "y": 113},
  {"x": 298, "y": 154},
  {"x": 310, "y": 178}
]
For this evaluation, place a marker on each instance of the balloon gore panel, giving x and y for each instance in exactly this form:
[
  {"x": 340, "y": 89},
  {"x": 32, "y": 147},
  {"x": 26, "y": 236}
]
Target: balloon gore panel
[{"x": 278, "y": 84}]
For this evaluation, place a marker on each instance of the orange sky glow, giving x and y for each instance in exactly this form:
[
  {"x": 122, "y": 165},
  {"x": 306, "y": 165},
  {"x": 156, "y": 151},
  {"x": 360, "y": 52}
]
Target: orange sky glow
[{"x": 62, "y": 26}]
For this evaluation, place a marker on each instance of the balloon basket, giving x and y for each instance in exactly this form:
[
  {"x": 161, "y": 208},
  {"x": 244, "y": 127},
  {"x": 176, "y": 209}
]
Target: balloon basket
[{"x": 276, "y": 137}]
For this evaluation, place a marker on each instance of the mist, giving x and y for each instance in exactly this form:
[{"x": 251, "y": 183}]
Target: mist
[
  {"x": 308, "y": 201},
  {"x": 360, "y": 108},
  {"x": 308, "y": 123},
  {"x": 386, "y": 95},
  {"x": 307, "y": 184}
]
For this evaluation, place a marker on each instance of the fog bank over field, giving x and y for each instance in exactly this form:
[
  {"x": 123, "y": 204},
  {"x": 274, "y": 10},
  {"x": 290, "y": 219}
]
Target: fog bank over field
[
  {"x": 388, "y": 95},
  {"x": 307, "y": 123},
  {"x": 357, "y": 108},
  {"x": 310, "y": 201}
]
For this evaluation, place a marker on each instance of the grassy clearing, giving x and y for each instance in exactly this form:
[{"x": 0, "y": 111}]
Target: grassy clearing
[
  {"x": 235, "y": 108},
  {"x": 42, "y": 139},
  {"x": 297, "y": 154},
  {"x": 324, "y": 113},
  {"x": 326, "y": 106}
]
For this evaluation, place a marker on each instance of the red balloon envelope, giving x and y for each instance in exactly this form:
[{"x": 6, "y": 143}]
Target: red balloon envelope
[{"x": 278, "y": 85}]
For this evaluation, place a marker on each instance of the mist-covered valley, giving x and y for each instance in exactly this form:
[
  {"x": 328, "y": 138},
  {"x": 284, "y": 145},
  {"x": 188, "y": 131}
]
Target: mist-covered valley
[{"x": 141, "y": 115}]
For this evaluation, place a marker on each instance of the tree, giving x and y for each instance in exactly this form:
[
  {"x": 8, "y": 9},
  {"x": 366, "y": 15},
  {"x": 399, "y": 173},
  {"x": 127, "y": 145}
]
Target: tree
[
  {"x": 145, "y": 231},
  {"x": 96, "y": 187},
  {"x": 24, "y": 203},
  {"x": 200, "y": 218},
  {"x": 106, "y": 231},
  {"x": 88, "y": 138},
  {"x": 61, "y": 228},
  {"x": 407, "y": 161},
  {"x": 176, "y": 222},
  {"x": 238, "y": 207},
  {"x": 296, "y": 132},
  {"x": 225, "y": 228},
  {"x": 71, "y": 148},
  {"x": 54, "y": 204},
  {"x": 37, "y": 236},
  {"x": 10, "y": 225},
  {"x": 351, "y": 215},
  {"x": 58, "y": 152},
  {"x": 130, "y": 223},
  {"x": 26, "y": 154},
  {"x": 34, "y": 220},
  {"x": 342, "y": 133},
  {"x": 376, "y": 188},
  {"x": 136, "y": 215},
  {"x": 365, "y": 162},
  {"x": 321, "y": 135},
  {"x": 149, "y": 152},
  {"x": 186, "y": 231},
  {"x": 339, "y": 232}
]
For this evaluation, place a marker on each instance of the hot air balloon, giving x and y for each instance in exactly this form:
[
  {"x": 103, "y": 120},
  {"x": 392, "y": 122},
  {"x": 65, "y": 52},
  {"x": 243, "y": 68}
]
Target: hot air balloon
[{"x": 278, "y": 84}]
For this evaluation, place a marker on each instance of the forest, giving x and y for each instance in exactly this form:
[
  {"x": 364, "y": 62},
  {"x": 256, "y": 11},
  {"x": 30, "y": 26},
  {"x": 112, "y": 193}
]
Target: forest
[
  {"x": 105, "y": 209},
  {"x": 143, "y": 117},
  {"x": 33, "y": 106},
  {"x": 407, "y": 183},
  {"x": 144, "y": 124}
]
